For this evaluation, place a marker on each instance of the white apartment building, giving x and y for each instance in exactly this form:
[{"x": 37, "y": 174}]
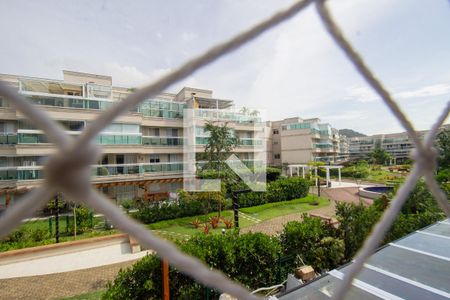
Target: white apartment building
[
  {"x": 398, "y": 145},
  {"x": 143, "y": 148},
  {"x": 299, "y": 141}
]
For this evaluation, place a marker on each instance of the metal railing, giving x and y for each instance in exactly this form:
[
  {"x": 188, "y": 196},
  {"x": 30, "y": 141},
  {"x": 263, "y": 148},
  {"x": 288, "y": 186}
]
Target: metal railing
[{"x": 69, "y": 170}]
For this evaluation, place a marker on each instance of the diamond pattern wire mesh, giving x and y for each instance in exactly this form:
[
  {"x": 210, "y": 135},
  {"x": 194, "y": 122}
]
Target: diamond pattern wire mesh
[{"x": 68, "y": 170}]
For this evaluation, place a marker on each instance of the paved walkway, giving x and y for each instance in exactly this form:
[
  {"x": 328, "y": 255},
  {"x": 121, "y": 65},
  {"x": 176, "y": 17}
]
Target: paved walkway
[
  {"x": 61, "y": 285},
  {"x": 275, "y": 226}
]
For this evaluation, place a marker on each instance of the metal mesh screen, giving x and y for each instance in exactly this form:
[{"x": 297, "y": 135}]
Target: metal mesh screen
[{"x": 68, "y": 170}]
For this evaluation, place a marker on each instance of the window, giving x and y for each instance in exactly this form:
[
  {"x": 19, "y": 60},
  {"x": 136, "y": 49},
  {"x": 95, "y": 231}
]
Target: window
[
  {"x": 275, "y": 143},
  {"x": 173, "y": 132},
  {"x": 276, "y": 156},
  {"x": 275, "y": 131},
  {"x": 156, "y": 132},
  {"x": 154, "y": 158}
]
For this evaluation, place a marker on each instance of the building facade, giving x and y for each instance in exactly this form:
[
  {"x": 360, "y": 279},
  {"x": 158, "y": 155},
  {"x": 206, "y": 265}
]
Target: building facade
[
  {"x": 142, "y": 150},
  {"x": 299, "y": 141},
  {"x": 398, "y": 145}
]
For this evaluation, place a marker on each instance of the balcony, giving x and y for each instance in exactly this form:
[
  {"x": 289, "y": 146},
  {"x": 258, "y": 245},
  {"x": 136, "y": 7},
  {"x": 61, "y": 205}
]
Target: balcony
[
  {"x": 226, "y": 115},
  {"x": 248, "y": 142},
  {"x": 8, "y": 138},
  {"x": 25, "y": 173},
  {"x": 323, "y": 145},
  {"x": 162, "y": 141},
  {"x": 122, "y": 139}
]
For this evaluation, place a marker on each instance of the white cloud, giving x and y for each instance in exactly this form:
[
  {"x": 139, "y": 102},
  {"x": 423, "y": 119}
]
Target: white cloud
[
  {"x": 426, "y": 91},
  {"x": 361, "y": 94},
  {"x": 123, "y": 75}
]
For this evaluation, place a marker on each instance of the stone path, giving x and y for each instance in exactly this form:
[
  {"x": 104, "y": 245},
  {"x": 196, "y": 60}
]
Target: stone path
[
  {"x": 275, "y": 226},
  {"x": 61, "y": 285}
]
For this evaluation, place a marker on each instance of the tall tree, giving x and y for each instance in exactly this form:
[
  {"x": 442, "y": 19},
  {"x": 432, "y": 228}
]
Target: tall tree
[
  {"x": 380, "y": 156},
  {"x": 443, "y": 147},
  {"x": 220, "y": 145}
]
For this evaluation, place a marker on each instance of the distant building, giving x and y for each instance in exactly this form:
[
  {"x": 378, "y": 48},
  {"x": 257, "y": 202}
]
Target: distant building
[
  {"x": 398, "y": 145},
  {"x": 299, "y": 141}
]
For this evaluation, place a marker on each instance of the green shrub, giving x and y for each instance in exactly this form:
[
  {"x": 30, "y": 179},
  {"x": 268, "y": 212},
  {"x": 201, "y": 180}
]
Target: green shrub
[
  {"x": 314, "y": 241},
  {"x": 272, "y": 174},
  {"x": 142, "y": 281},
  {"x": 252, "y": 199},
  {"x": 420, "y": 200},
  {"x": 287, "y": 189},
  {"x": 356, "y": 222},
  {"x": 248, "y": 258},
  {"x": 283, "y": 189}
]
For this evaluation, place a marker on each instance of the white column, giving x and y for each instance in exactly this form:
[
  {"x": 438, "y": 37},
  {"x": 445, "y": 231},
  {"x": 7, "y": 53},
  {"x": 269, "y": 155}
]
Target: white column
[
  {"x": 317, "y": 179},
  {"x": 328, "y": 175},
  {"x": 303, "y": 171},
  {"x": 339, "y": 172}
]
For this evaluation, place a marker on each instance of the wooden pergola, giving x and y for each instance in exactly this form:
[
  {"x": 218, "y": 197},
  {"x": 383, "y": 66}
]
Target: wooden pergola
[{"x": 8, "y": 192}]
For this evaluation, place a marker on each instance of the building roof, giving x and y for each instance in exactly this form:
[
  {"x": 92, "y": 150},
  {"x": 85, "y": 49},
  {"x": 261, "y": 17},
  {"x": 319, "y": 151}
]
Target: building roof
[{"x": 414, "y": 267}]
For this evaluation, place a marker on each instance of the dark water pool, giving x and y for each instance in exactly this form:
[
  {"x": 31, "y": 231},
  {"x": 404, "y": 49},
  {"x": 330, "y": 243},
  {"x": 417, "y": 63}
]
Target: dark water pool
[{"x": 379, "y": 189}]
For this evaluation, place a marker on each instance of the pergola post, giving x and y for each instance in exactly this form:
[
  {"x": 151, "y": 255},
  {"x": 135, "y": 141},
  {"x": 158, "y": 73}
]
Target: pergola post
[
  {"x": 315, "y": 173},
  {"x": 328, "y": 175},
  {"x": 339, "y": 174},
  {"x": 303, "y": 172}
]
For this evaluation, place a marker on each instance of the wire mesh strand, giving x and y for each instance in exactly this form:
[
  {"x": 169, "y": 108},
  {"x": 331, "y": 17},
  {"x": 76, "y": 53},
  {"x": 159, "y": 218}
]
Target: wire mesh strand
[{"x": 68, "y": 168}]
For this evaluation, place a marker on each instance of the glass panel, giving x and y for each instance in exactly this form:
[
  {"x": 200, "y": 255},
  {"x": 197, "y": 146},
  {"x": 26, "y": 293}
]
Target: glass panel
[
  {"x": 394, "y": 286},
  {"x": 323, "y": 289},
  {"x": 415, "y": 266},
  {"x": 439, "y": 228},
  {"x": 427, "y": 243}
]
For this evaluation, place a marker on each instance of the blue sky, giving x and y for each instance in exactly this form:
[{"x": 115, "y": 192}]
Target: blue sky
[{"x": 293, "y": 70}]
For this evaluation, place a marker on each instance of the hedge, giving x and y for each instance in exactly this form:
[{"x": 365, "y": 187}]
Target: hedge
[
  {"x": 250, "y": 259},
  {"x": 315, "y": 242},
  {"x": 280, "y": 190}
]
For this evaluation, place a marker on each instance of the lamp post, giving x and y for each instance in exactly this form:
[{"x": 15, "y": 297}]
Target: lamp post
[
  {"x": 57, "y": 218},
  {"x": 235, "y": 198}
]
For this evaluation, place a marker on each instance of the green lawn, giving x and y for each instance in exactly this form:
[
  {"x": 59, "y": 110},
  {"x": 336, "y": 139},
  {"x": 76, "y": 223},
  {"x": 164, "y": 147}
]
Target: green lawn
[
  {"x": 43, "y": 237},
  {"x": 262, "y": 212}
]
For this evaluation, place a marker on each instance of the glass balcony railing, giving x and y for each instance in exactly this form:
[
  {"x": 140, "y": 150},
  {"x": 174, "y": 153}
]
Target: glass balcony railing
[
  {"x": 40, "y": 138},
  {"x": 122, "y": 139},
  {"x": 136, "y": 169},
  {"x": 323, "y": 145},
  {"x": 162, "y": 141},
  {"x": 203, "y": 140},
  {"x": 70, "y": 102},
  {"x": 250, "y": 142},
  {"x": 36, "y": 172},
  {"x": 225, "y": 115},
  {"x": 8, "y": 139},
  {"x": 149, "y": 108}
]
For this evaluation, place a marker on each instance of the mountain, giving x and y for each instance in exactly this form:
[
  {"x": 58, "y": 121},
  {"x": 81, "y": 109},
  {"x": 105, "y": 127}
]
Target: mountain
[{"x": 350, "y": 133}]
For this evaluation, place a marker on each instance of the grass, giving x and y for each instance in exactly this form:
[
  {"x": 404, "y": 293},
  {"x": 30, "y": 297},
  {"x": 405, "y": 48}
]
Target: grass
[
  {"x": 262, "y": 212},
  {"x": 272, "y": 210},
  {"x": 46, "y": 238},
  {"x": 182, "y": 226}
]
